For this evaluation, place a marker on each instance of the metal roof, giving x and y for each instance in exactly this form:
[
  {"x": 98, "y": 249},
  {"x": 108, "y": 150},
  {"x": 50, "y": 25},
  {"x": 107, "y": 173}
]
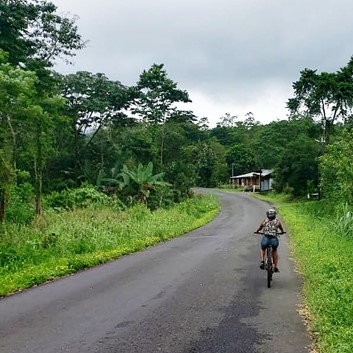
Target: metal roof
[{"x": 264, "y": 172}]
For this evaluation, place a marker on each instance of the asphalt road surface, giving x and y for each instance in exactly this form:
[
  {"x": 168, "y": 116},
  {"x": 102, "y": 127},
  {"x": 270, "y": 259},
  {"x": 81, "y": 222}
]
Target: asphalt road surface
[{"x": 200, "y": 293}]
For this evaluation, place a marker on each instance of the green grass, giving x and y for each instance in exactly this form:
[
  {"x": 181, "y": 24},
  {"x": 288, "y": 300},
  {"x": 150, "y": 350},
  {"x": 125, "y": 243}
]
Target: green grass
[
  {"x": 58, "y": 244},
  {"x": 323, "y": 248},
  {"x": 275, "y": 198}
]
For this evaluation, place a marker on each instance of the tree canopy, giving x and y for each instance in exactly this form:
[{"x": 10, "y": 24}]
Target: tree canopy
[
  {"x": 328, "y": 96},
  {"x": 34, "y": 34},
  {"x": 61, "y": 131}
]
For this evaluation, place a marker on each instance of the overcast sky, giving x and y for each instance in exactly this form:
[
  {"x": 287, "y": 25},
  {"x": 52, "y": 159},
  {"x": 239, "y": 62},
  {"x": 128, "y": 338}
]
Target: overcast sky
[{"x": 232, "y": 56}]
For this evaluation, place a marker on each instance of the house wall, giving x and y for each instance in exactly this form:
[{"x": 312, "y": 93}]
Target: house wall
[
  {"x": 253, "y": 182},
  {"x": 266, "y": 184},
  {"x": 247, "y": 181}
]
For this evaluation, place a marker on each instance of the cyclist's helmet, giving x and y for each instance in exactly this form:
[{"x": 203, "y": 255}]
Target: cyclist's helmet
[{"x": 271, "y": 214}]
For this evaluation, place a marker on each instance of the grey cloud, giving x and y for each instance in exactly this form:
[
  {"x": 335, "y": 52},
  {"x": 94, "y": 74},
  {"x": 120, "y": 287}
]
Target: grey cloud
[{"x": 223, "y": 48}]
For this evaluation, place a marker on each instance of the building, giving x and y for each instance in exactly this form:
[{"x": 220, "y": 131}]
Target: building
[{"x": 259, "y": 180}]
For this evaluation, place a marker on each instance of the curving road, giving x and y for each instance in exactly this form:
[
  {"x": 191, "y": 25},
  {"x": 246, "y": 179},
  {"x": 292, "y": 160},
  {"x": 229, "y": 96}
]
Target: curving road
[{"x": 200, "y": 293}]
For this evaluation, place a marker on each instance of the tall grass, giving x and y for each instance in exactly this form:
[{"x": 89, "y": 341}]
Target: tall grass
[
  {"x": 322, "y": 245},
  {"x": 344, "y": 221},
  {"x": 57, "y": 244}
]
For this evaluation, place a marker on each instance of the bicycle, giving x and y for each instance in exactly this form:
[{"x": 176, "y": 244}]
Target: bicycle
[{"x": 268, "y": 261}]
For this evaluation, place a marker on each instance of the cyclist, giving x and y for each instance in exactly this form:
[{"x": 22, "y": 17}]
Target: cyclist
[{"x": 270, "y": 227}]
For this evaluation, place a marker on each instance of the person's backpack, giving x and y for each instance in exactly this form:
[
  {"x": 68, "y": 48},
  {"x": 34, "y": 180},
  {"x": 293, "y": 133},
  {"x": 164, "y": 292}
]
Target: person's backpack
[{"x": 270, "y": 228}]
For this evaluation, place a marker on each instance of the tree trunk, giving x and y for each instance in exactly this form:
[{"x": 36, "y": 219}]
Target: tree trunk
[
  {"x": 38, "y": 189},
  {"x": 14, "y": 143},
  {"x": 38, "y": 171},
  {"x": 162, "y": 147},
  {"x": 3, "y": 202},
  {"x": 7, "y": 175}
]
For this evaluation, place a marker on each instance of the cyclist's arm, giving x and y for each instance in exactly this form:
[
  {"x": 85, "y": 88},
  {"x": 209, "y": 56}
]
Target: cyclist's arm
[{"x": 279, "y": 225}]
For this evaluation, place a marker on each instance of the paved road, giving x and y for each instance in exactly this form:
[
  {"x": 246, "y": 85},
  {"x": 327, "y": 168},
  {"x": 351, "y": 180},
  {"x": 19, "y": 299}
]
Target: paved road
[{"x": 200, "y": 293}]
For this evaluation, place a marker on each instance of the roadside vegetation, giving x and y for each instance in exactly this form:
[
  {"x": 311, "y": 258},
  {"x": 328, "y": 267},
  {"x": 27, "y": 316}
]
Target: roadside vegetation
[
  {"x": 321, "y": 240},
  {"x": 61, "y": 242}
]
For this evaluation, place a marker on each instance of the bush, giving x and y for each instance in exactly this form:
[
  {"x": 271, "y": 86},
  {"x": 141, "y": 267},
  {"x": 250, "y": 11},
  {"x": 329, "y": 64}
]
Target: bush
[
  {"x": 77, "y": 198},
  {"x": 336, "y": 170},
  {"x": 344, "y": 221},
  {"x": 20, "y": 208}
]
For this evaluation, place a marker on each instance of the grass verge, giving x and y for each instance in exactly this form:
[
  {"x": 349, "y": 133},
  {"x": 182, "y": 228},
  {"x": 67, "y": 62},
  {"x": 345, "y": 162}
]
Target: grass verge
[
  {"x": 323, "y": 257},
  {"x": 58, "y": 244}
]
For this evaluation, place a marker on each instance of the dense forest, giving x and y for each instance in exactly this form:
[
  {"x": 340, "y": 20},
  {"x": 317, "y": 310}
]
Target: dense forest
[{"x": 86, "y": 135}]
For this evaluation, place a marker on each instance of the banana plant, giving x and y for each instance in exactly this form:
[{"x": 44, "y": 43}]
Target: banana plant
[
  {"x": 142, "y": 181},
  {"x": 136, "y": 185}
]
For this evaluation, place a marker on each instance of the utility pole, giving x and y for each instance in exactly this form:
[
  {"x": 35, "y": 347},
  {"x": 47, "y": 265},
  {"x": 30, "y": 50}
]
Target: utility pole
[
  {"x": 232, "y": 175},
  {"x": 324, "y": 131}
]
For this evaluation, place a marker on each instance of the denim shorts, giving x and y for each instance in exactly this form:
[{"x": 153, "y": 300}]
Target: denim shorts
[{"x": 266, "y": 241}]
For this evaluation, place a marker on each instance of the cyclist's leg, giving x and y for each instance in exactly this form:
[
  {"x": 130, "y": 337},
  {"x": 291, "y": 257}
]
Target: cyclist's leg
[
  {"x": 264, "y": 242},
  {"x": 275, "y": 243},
  {"x": 275, "y": 258}
]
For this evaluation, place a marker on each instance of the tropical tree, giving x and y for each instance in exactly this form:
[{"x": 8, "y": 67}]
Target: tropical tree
[
  {"x": 35, "y": 35},
  {"x": 157, "y": 95},
  {"x": 231, "y": 130},
  {"x": 17, "y": 92},
  {"x": 240, "y": 158},
  {"x": 157, "y": 99},
  {"x": 269, "y": 142},
  {"x": 182, "y": 117},
  {"x": 327, "y": 96},
  {"x": 92, "y": 103},
  {"x": 209, "y": 162},
  {"x": 297, "y": 169},
  {"x": 16, "y": 97},
  {"x": 41, "y": 130},
  {"x": 228, "y": 121}
]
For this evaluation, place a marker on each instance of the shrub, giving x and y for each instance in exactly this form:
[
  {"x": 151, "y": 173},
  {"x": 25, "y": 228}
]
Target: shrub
[
  {"x": 336, "y": 170},
  {"x": 20, "y": 208},
  {"x": 82, "y": 197},
  {"x": 344, "y": 221}
]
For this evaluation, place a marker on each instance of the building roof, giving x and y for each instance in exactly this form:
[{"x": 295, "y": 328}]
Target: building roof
[{"x": 264, "y": 172}]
